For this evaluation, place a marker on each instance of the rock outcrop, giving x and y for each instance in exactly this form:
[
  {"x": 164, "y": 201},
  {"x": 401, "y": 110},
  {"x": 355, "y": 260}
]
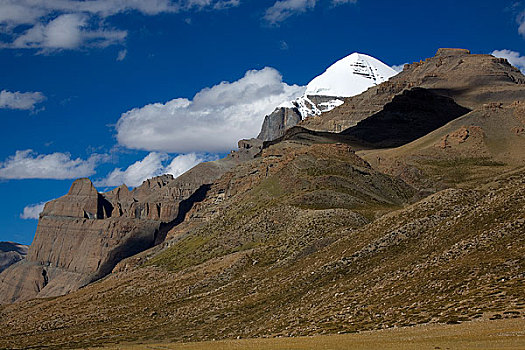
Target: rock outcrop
[
  {"x": 11, "y": 253},
  {"x": 83, "y": 235},
  {"x": 276, "y": 123},
  {"x": 77, "y": 242}
]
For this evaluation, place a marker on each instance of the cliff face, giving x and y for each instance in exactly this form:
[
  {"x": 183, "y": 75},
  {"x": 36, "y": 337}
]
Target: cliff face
[
  {"x": 275, "y": 124},
  {"x": 83, "y": 235},
  {"x": 77, "y": 241}
]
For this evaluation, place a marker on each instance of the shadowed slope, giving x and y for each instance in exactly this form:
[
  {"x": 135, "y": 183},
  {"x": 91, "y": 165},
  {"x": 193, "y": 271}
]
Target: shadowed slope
[
  {"x": 409, "y": 116},
  {"x": 470, "y": 80}
]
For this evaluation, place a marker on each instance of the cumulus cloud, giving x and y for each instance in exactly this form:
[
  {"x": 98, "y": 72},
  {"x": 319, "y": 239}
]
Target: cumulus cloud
[
  {"x": 30, "y": 165},
  {"x": 32, "y": 212},
  {"x": 213, "y": 121},
  {"x": 514, "y": 58},
  {"x": 184, "y": 162},
  {"x": 20, "y": 100},
  {"x": 71, "y": 24},
  {"x": 154, "y": 164},
  {"x": 398, "y": 67},
  {"x": 283, "y": 9},
  {"x": 68, "y": 31}
]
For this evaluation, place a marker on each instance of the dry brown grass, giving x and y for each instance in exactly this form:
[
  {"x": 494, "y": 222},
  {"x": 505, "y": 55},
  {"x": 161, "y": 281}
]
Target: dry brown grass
[{"x": 500, "y": 334}]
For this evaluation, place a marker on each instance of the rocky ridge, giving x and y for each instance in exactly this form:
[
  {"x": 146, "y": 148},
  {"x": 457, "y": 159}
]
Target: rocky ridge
[
  {"x": 82, "y": 236},
  {"x": 472, "y": 80}
]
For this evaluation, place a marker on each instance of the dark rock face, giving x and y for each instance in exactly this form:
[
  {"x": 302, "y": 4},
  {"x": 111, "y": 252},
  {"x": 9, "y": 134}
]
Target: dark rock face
[
  {"x": 275, "y": 124},
  {"x": 409, "y": 116},
  {"x": 11, "y": 253},
  {"x": 284, "y": 118}
]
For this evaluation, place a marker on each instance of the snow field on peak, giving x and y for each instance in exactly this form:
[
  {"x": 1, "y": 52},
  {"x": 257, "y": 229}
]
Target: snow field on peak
[
  {"x": 347, "y": 77},
  {"x": 350, "y": 76}
]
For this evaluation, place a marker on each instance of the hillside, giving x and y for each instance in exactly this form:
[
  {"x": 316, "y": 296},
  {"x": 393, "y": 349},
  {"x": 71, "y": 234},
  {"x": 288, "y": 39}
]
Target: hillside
[
  {"x": 452, "y": 257},
  {"x": 413, "y": 214},
  {"x": 83, "y": 235}
]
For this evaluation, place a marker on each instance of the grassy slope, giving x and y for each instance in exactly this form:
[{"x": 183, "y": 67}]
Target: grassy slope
[
  {"x": 466, "y": 152},
  {"x": 502, "y": 334},
  {"x": 284, "y": 270}
]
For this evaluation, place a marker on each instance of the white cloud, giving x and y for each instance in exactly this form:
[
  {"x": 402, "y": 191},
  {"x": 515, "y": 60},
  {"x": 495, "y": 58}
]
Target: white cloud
[
  {"x": 122, "y": 54},
  {"x": 154, "y": 164},
  {"x": 32, "y": 212},
  {"x": 16, "y": 12},
  {"x": 513, "y": 57},
  {"x": 72, "y": 24},
  {"x": 521, "y": 23},
  {"x": 399, "y": 67},
  {"x": 20, "y": 100},
  {"x": 213, "y": 121},
  {"x": 283, "y": 9},
  {"x": 219, "y": 5},
  {"x": 30, "y": 165},
  {"x": 184, "y": 162},
  {"x": 68, "y": 31}
]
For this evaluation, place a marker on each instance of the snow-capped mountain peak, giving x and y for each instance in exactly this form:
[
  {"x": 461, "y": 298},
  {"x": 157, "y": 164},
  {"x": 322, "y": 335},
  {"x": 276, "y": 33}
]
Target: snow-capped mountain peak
[
  {"x": 350, "y": 76},
  {"x": 347, "y": 77}
]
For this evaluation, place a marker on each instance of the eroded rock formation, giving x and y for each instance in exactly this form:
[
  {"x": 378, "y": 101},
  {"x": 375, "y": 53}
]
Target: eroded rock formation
[{"x": 83, "y": 235}]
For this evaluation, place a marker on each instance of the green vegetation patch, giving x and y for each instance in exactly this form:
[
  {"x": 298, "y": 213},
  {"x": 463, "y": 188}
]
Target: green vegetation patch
[{"x": 182, "y": 254}]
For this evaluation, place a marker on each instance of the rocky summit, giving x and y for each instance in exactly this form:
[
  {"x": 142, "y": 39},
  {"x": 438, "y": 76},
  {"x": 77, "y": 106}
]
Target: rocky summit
[{"x": 402, "y": 205}]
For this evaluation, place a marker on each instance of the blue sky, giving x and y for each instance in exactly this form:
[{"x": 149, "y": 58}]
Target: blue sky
[{"x": 121, "y": 90}]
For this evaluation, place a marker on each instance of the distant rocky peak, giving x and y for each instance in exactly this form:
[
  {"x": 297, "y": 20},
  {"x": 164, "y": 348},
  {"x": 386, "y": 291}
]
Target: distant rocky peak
[
  {"x": 82, "y": 187},
  {"x": 452, "y": 52},
  {"x": 11, "y": 253},
  {"x": 82, "y": 201}
]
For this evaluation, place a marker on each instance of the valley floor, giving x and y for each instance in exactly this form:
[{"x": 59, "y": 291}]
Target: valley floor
[{"x": 482, "y": 334}]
